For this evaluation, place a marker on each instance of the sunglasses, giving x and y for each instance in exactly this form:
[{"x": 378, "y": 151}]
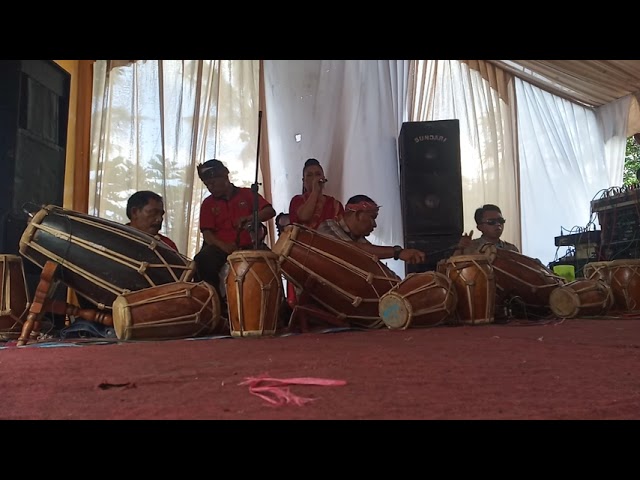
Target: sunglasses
[{"x": 495, "y": 221}]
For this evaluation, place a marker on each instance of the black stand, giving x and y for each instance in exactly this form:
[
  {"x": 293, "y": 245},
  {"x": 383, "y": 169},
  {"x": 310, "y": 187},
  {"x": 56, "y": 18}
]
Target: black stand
[{"x": 254, "y": 188}]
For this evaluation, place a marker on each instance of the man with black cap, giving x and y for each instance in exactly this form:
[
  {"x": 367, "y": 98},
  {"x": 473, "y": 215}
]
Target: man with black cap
[{"x": 224, "y": 216}]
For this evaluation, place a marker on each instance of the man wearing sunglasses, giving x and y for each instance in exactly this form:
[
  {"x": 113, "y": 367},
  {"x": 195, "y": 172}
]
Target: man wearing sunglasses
[{"x": 490, "y": 222}]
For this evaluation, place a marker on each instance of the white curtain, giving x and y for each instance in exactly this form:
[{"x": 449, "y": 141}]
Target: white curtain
[
  {"x": 347, "y": 114},
  {"x": 153, "y": 121},
  {"x": 478, "y": 98},
  {"x": 569, "y": 154}
]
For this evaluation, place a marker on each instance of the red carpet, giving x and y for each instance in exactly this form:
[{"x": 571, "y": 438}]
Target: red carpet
[{"x": 575, "y": 369}]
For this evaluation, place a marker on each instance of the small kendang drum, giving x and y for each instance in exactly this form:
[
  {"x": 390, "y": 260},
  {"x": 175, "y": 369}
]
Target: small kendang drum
[
  {"x": 597, "y": 271},
  {"x": 425, "y": 299},
  {"x": 581, "y": 298},
  {"x": 254, "y": 293},
  {"x": 14, "y": 294},
  {"x": 101, "y": 259},
  {"x": 172, "y": 310},
  {"x": 625, "y": 284},
  {"x": 474, "y": 281},
  {"x": 344, "y": 279},
  {"x": 520, "y": 277}
]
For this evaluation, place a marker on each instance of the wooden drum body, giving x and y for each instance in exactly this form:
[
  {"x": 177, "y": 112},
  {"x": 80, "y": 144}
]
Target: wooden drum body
[
  {"x": 522, "y": 277},
  {"x": 173, "y": 310},
  {"x": 474, "y": 281},
  {"x": 14, "y": 294},
  {"x": 423, "y": 299},
  {"x": 254, "y": 293},
  {"x": 101, "y": 259},
  {"x": 584, "y": 297},
  {"x": 346, "y": 280},
  {"x": 625, "y": 284}
]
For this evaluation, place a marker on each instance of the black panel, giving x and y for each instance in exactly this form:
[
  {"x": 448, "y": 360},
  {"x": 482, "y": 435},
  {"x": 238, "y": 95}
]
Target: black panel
[
  {"x": 437, "y": 247},
  {"x": 431, "y": 181},
  {"x": 34, "y": 112}
]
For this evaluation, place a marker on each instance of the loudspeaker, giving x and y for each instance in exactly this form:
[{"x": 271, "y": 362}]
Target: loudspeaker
[
  {"x": 430, "y": 178},
  {"x": 436, "y": 247},
  {"x": 34, "y": 112}
]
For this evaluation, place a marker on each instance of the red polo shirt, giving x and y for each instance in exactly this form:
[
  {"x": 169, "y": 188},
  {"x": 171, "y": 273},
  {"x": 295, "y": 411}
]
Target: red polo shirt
[
  {"x": 217, "y": 214},
  {"x": 168, "y": 241}
]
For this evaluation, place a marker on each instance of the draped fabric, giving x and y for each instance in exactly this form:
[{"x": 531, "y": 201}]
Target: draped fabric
[
  {"x": 479, "y": 98},
  {"x": 153, "y": 121},
  {"x": 347, "y": 114}
]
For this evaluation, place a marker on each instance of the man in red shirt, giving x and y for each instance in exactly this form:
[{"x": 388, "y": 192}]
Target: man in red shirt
[
  {"x": 145, "y": 210},
  {"x": 224, "y": 217}
]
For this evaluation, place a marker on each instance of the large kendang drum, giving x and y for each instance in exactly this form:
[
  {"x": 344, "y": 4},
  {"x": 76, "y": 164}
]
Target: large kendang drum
[
  {"x": 101, "y": 259},
  {"x": 341, "y": 277},
  {"x": 522, "y": 282}
]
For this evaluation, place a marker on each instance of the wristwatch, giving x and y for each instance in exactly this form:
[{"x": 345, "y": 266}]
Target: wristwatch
[{"x": 397, "y": 249}]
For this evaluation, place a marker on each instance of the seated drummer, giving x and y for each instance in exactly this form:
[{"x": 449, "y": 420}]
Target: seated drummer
[
  {"x": 357, "y": 222},
  {"x": 224, "y": 216},
  {"x": 145, "y": 210},
  {"x": 490, "y": 222}
]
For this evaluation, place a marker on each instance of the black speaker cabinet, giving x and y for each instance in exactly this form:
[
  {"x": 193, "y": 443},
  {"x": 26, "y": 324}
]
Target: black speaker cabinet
[
  {"x": 34, "y": 112},
  {"x": 436, "y": 247},
  {"x": 430, "y": 178}
]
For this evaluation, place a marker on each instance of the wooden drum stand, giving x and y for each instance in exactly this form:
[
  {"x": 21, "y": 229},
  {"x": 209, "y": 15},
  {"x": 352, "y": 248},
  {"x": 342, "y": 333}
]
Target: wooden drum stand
[{"x": 43, "y": 303}]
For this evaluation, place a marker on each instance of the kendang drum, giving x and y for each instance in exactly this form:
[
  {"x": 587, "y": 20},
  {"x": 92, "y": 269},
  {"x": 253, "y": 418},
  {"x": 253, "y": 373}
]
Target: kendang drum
[
  {"x": 521, "y": 281},
  {"x": 426, "y": 299},
  {"x": 341, "y": 277},
  {"x": 581, "y": 298},
  {"x": 597, "y": 271},
  {"x": 625, "y": 284},
  {"x": 172, "y": 310},
  {"x": 14, "y": 294},
  {"x": 101, "y": 259},
  {"x": 474, "y": 281},
  {"x": 254, "y": 293}
]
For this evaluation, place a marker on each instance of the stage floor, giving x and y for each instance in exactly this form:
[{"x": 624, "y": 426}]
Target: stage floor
[{"x": 571, "y": 369}]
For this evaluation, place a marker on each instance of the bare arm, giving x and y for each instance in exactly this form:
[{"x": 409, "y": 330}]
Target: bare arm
[
  {"x": 409, "y": 255},
  {"x": 211, "y": 239},
  {"x": 305, "y": 212}
]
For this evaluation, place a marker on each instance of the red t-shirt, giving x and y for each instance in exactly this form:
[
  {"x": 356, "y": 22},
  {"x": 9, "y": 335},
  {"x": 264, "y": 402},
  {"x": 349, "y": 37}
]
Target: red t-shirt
[
  {"x": 168, "y": 241},
  {"x": 327, "y": 208},
  {"x": 217, "y": 214}
]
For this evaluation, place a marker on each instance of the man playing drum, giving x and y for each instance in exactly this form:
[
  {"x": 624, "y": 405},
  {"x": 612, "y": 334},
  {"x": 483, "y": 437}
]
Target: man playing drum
[
  {"x": 490, "y": 222},
  {"x": 145, "y": 210},
  {"x": 357, "y": 222},
  {"x": 224, "y": 216}
]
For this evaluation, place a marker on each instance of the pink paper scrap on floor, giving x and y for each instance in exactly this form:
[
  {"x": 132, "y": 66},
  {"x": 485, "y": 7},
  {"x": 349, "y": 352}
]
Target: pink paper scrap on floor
[{"x": 276, "y": 392}]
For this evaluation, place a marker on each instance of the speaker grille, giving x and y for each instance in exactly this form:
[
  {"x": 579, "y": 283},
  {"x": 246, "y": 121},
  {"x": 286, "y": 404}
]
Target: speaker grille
[{"x": 431, "y": 180}]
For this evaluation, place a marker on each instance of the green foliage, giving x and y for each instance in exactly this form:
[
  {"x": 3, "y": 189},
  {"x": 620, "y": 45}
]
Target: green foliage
[{"x": 631, "y": 162}]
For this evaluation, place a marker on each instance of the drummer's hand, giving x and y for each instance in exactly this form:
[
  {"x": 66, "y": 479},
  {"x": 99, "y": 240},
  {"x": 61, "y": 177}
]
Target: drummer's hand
[
  {"x": 241, "y": 221},
  {"x": 229, "y": 247},
  {"x": 411, "y": 255},
  {"x": 465, "y": 240}
]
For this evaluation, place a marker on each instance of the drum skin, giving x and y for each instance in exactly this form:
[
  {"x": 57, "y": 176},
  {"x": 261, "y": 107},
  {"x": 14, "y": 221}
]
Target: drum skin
[
  {"x": 173, "y": 310},
  {"x": 98, "y": 258},
  {"x": 346, "y": 280},
  {"x": 254, "y": 293},
  {"x": 14, "y": 294}
]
